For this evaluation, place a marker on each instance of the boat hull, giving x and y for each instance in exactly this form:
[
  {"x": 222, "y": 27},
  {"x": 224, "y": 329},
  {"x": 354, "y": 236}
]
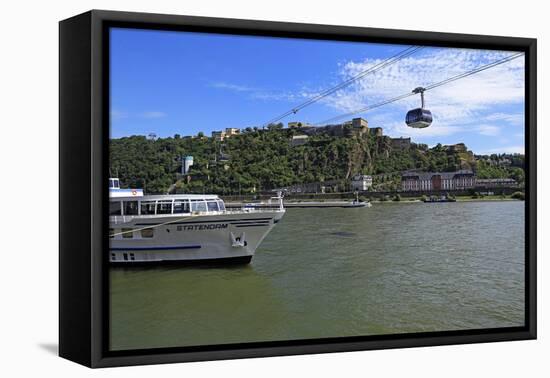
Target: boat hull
[
  {"x": 231, "y": 237},
  {"x": 239, "y": 260}
]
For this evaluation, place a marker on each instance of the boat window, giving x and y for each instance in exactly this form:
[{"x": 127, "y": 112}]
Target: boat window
[
  {"x": 147, "y": 207},
  {"x": 164, "y": 207},
  {"x": 115, "y": 208},
  {"x": 147, "y": 233},
  {"x": 127, "y": 233},
  {"x": 131, "y": 208},
  {"x": 212, "y": 206},
  {"x": 221, "y": 205},
  {"x": 198, "y": 205},
  {"x": 181, "y": 206}
]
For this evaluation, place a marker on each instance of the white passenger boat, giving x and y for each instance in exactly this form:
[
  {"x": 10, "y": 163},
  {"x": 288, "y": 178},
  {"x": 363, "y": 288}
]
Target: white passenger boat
[{"x": 183, "y": 228}]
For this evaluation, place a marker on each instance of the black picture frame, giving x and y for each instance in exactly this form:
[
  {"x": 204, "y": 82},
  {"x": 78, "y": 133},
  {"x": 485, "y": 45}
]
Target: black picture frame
[{"x": 83, "y": 194}]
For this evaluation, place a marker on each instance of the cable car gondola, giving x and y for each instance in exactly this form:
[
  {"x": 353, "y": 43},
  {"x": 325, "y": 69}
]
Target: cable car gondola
[{"x": 419, "y": 118}]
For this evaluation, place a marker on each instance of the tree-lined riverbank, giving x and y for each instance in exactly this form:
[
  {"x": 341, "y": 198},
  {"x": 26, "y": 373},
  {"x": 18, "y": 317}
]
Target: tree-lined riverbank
[{"x": 260, "y": 160}]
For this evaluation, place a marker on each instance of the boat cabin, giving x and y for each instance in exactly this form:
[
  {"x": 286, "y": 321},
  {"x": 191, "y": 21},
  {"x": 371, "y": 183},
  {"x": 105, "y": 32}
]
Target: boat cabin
[
  {"x": 114, "y": 183},
  {"x": 116, "y": 192},
  {"x": 165, "y": 205},
  {"x": 132, "y": 202}
]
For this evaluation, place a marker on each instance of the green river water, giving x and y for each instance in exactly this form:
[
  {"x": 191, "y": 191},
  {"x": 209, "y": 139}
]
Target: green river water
[{"x": 391, "y": 268}]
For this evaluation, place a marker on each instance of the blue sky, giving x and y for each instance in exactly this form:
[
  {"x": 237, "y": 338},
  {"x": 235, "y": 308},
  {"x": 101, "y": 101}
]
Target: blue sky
[{"x": 181, "y": 83}]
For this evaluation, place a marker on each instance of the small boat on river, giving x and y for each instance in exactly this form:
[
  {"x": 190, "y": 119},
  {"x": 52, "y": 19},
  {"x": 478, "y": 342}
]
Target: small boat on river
[{"x": 437, "y": 199}]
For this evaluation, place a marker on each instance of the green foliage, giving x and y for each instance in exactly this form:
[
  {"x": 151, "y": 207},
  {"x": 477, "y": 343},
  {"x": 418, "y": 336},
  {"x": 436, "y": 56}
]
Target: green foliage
[
  {"x": 518, "y": 195},
  {"x": 486, "y": 168},
  {"x": 517, "y": 174},
  {"x": 265, "y": 159}
]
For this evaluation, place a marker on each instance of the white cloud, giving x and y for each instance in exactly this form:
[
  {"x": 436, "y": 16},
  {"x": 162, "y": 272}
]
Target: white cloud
[
  {"x": 402, "y": 130},
  {"x": 456, "y": 103},
  {"x": 117, "y": 114},
  {"x": 489, "y": 130},
  {"x": 299, "y": 96},
  {"x": 153, "y": 114},
  {"x": 437, "y": 129},
  {"x": 231, "y": 87},
  {"x": 264, "y": 94},
  {"x": 511, "y": 118},
  {"x": 502, "y": 150}
]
